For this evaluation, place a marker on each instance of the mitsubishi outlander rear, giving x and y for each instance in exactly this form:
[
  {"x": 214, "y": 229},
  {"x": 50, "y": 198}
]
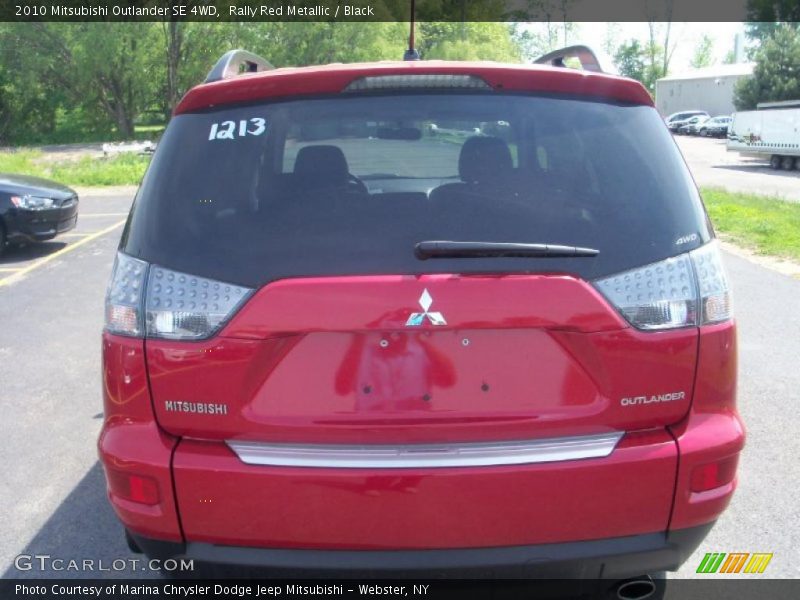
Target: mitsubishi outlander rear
[{"x": 419, "y": 315}]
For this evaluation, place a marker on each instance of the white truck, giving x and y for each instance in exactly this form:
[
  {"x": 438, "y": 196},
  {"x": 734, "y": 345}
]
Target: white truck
[{"x": 772, "y": 130}]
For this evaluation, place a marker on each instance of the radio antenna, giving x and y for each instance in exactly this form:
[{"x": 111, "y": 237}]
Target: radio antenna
[{"x": 411, "y": 53}]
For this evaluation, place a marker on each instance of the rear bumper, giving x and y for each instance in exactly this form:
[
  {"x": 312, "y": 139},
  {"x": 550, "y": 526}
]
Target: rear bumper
[
  {"x": 613, "y": 558},
  {"x": 581, "y": 518},
  {"x": 225, "y": 501}
]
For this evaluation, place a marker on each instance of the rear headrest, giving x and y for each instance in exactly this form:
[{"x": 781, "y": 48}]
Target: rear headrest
[
  {"x": 484, "y": 158},
  {"x": 321, "y": 166}
]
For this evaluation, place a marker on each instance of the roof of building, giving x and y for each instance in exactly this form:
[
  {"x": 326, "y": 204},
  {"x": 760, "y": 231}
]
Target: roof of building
[
  {"x": 781, "y": 104},
  {"x": 713, "y": 72}
]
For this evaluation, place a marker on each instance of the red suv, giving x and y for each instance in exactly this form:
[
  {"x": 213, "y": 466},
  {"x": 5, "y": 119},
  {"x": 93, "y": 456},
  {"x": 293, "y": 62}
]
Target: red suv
[{"x": 419, "y": 315}]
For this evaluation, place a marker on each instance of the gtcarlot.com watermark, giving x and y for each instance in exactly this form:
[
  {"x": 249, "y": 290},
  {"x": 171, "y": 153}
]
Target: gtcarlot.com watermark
[{"x": 46, "y": 562}]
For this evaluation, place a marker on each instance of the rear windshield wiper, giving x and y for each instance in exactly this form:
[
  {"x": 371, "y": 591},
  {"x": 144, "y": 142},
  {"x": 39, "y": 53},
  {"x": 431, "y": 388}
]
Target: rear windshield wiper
[{"x": 448, "y": 249}]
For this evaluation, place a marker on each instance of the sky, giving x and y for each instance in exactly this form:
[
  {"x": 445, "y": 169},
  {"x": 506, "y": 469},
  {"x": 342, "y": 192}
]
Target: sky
[{"x": 686, "y": 35}]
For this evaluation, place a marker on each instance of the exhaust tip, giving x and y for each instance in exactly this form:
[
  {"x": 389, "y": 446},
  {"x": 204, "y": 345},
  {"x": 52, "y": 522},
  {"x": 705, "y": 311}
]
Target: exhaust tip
[{"x": 636, "y": 589}]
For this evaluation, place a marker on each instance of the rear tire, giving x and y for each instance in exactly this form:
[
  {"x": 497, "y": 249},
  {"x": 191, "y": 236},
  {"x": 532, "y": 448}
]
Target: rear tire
[
  {"x": 788, "y": 163},
  {"x": 775, "y": 162},
  {"x": 2, "y": 238}
]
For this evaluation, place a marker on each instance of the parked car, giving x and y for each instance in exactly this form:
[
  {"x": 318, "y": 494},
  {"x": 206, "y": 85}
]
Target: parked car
[
  {"x": 694, "y": 128},
  {"x": 715, "y": 127},
  {"x": 675, "y": 120},
  {"x": 34, "y": 209},
  {"x": 688, "y": 126},
  {"x": 380, "y": 350}
]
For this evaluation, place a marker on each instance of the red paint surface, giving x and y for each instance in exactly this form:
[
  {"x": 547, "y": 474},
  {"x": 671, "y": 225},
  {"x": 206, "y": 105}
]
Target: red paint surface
[
  {"x": 292, "y": 366},
  {"x": 332, "y": 79},
  {"x": 548, "y": 358},
  {"x": 225, "y": 501},
  {"x": 131, "y": 441},
  {"x": 712, "y": 432}
]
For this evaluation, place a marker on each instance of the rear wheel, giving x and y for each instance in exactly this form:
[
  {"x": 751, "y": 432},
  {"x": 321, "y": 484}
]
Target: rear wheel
[
  {"x": 788, "y": 162},
  {"x": 775, "y": 162},
  {"x": 703, "y": 132},
  {"x": 2, "y": 238}
]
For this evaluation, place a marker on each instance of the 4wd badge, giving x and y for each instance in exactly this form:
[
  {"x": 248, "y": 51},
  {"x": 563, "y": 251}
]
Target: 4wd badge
[{"x": 416, "y": 319}]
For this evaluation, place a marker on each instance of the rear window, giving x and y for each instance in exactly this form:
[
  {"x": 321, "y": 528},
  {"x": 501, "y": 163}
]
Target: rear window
[{"x": 349, "y": 185}]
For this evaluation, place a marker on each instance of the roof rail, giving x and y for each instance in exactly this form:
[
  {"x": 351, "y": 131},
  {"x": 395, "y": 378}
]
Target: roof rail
[
  {"x": 589, "y": 59},
  {"x": 231, "y": 63}
]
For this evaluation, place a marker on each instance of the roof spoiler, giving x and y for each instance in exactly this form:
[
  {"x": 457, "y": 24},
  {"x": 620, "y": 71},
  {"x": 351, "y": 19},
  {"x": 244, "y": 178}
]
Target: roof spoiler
[
  {"x": 236, "y": 62},
  {"x": 589, "y": 59}
]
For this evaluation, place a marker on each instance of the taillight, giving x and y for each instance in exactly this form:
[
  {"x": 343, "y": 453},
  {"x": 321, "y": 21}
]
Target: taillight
[
  {"x": 686, "y": 290},
  {"x": 124, "y": 314},
  {"x": 151, "y": 301},
  {"x": 181, "y": 306},
  {"x": 715, "y": 295}
]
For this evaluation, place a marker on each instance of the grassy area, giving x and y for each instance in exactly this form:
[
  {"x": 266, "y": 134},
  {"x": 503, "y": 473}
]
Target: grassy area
[
  {"x": 144, "y": 132},
  {"x": 767, "y": 225},
  {"x": 122, "y": 169}
]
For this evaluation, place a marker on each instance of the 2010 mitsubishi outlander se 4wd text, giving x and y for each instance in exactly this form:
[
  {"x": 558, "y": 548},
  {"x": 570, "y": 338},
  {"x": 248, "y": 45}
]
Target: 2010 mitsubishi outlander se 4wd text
[{"x": 419, "y": 315}]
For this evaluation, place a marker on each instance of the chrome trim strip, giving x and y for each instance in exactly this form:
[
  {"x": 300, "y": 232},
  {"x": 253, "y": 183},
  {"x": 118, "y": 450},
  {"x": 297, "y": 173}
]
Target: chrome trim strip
[{"x": 426, "y": 455}]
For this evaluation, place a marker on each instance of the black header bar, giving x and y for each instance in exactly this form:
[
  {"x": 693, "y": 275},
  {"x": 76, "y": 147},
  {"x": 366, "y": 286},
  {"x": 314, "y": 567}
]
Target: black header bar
[{"x": 398, "y": 10}]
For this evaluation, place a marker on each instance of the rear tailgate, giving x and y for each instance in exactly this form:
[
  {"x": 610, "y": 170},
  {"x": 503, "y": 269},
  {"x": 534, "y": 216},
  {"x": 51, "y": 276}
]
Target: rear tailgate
[
  {"x": 333, "y": 361},
  {"x": 324, "y": 368}
]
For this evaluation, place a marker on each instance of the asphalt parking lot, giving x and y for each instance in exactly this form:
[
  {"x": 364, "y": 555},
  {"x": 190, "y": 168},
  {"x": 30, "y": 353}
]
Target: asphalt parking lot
[
  {"x": 712, "y": 165},
  {"x": 52, "y": 491}
]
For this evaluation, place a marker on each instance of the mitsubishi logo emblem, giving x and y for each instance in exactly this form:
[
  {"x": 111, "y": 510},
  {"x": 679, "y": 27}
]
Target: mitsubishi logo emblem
[{"x": 425, "y": 301}]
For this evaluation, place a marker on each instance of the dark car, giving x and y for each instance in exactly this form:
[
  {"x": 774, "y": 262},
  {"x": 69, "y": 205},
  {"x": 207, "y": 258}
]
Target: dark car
[
  {"x": 34, "y": 209},
  {"x": 715, "y": 127},
  {"x": 377, "y": 349}
]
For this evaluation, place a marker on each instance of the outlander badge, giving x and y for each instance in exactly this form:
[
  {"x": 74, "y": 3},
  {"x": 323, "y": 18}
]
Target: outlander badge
[{"x": 425, "y": 301}]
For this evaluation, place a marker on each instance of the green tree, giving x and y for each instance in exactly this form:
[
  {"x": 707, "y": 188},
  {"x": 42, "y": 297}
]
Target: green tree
[
  {"x": 611, "y": 38},
  {"x": 105, "y": 68},
  {"x": 96, "y": 80},
  {"x": 766, "y": 16},
  {"x": 630, "y": 60},
  {"x": 530, "y": 43},
  {"x": 730, "y": 57},
  {"x": 468, "y": 41},
  {"x": 298, "y": 44},
  {"x": 658, "y": 55},
  {"x": 703, "y": 52},
  {"x": 776, "y": 75},
  {"x": 28, "y": 106},
  {"x": 640, "y": 61}
]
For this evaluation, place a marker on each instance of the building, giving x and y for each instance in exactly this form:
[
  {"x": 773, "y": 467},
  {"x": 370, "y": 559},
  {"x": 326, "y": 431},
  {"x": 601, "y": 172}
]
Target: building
[{"x": 709, "y": 89}]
